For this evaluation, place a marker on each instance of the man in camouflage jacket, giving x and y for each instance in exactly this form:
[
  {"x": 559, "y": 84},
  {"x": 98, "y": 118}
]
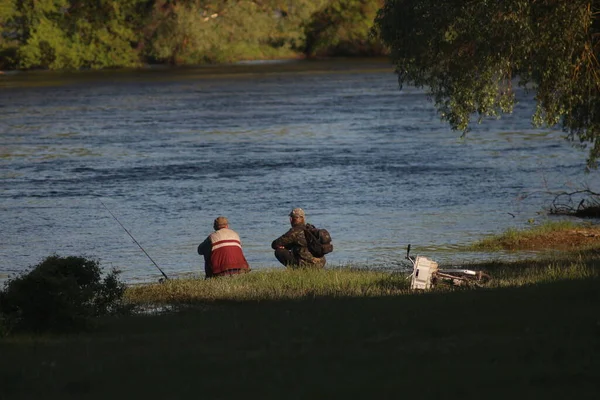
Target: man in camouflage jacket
[{"x": 291, "y": 249}]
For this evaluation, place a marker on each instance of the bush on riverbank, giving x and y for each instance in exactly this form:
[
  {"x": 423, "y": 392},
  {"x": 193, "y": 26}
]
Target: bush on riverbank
[
  {"x": 73, "y": 34},
  {"x": 343, "y": 27},
  {"x": 60, "y": 294}
]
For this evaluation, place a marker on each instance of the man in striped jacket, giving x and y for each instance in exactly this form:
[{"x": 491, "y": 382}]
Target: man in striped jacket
[{"x": 222, "y": 251}]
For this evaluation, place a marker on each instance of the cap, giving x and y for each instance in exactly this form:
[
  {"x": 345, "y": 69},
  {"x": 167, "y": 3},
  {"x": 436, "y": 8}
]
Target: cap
[
  {"x": 220, "y": 222},
  {"x": 297, "y": 212}
]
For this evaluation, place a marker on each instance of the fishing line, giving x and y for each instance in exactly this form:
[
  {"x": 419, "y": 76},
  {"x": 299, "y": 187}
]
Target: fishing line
[{"x": 136, "y": 242}]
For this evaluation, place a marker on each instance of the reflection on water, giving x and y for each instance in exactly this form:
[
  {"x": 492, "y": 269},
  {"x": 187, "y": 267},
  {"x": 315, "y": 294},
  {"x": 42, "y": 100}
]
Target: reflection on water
[{"x": 169, "y": 150}]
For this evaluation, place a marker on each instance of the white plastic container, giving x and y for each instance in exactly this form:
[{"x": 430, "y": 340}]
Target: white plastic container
[{"x": 423, "y": 272}]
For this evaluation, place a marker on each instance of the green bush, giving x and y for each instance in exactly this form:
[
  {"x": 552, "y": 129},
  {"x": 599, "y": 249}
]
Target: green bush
[
  {"x": 60, "y": 294},
  {"x": 342, "y": 28}
]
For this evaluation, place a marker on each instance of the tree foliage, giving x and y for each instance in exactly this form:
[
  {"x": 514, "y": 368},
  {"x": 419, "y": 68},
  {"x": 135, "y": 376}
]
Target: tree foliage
[
  {"x": 468, "y": 54},
  {"x": 343, "y": 27},
  {"x": 195, "y": 32},
  {"x": 60, "y": 294},
  {"x": 74, "y": 34},
  {"x": 8, "y": 38},
  {"x": 63, "y": 34}
]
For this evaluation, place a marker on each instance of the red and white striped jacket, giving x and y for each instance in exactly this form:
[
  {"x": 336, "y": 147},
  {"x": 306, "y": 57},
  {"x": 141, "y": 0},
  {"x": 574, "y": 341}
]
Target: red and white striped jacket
[{"x": 226, "y": 251}]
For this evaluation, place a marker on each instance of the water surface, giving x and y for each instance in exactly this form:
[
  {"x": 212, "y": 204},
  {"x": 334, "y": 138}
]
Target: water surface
[{"x": 169, "y": 150}]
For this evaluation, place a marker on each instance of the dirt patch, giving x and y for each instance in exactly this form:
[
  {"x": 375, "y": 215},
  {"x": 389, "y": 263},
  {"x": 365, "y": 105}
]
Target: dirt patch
[{"x": 570, "y": 239}]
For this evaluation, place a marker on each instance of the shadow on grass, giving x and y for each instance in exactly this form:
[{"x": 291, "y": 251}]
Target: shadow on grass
[{"x": 537, "y": 341}]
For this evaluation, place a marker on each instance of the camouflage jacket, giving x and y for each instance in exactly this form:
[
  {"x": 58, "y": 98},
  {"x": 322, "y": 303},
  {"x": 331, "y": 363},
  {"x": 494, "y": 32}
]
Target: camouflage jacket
[{"x": 295, "y": 241}]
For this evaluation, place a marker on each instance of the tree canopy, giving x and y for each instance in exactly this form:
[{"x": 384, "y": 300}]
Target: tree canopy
[
  {"x": 469, "y": 53},
  {"x": 74, "y": 34}
]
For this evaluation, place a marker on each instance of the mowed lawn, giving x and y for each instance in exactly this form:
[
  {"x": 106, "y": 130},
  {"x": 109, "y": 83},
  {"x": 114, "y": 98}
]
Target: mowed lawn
[{"x": 534, "y": 341}]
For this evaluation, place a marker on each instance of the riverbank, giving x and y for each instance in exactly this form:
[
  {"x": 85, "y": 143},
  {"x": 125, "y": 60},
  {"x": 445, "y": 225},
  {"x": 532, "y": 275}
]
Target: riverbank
[
  {"x": 170, "y": 73},
  {"x": 336, "y": 334},
  {"x": 561, "y": 236}
]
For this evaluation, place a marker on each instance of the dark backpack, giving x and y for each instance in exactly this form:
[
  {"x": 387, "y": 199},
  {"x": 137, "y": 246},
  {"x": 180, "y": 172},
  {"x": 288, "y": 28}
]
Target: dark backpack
[{"x": 318, "y": 241}]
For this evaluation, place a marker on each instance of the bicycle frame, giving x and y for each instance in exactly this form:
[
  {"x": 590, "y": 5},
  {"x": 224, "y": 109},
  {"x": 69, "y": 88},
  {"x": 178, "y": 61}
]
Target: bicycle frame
[{"x": 426, "y": 274}]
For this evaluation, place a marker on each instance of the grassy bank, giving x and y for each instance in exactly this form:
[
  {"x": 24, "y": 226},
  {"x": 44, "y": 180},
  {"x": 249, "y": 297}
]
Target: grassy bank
[
  {"x": 280, "y": 284},
  {"x": 559, "y": 235},
  {"x": 536, "y": 341},
  {"x": 339, "y": 333},
  {"x": 532, "y": 331},
  {"x": 275, "y": 284}
]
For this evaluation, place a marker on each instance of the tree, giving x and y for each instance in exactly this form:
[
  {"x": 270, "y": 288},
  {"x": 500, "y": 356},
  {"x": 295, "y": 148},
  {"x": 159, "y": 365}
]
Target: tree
[
  {"x": 292, "y": 18},
  {"x": 468, "y": 53},
  {"x": 218, "y": 31},
  {"x": 60, "y": 294},
  {"x": 342, "y": 28},
  {"x": 196, "y": 32},
  {"x": 8, "y": 33},
  {"x": 70, "y": 34}
]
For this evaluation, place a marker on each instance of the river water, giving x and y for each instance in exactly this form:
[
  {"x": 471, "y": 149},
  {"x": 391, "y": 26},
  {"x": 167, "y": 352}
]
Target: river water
[{"x": 168, "y": 150}]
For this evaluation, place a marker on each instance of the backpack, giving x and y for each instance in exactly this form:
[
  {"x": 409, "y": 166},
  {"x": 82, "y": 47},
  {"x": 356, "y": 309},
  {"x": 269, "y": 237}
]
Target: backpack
[{"x": 318, "y": 241}]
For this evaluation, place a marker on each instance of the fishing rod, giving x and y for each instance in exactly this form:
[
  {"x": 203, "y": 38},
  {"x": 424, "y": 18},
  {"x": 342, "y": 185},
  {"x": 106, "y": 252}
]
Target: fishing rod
[{"x": 136, "y": 242}]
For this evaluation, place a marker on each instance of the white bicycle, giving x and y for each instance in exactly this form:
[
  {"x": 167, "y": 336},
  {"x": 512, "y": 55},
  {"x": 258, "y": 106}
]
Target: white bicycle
[{"x": 426, "y": 274}]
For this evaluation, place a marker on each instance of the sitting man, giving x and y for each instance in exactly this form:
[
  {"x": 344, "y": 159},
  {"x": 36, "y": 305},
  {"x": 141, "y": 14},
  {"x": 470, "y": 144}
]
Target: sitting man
[
  {"x": 222, "y": 251},
  {"x": 291, "y": 249}
]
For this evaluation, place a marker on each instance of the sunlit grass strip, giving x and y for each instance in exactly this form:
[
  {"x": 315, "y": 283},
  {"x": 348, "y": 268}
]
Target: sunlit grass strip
[
  {"x": 583, "y": 263},
  {"x": 272, "y": 285},
  {"x": 553, "y": 271},
  {"x": 348, "y": 282},
  {"x": 511, "y": 238}
]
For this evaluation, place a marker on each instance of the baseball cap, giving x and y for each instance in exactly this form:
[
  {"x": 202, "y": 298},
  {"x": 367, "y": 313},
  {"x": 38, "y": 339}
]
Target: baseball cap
[{"x": 297, "y": 212}]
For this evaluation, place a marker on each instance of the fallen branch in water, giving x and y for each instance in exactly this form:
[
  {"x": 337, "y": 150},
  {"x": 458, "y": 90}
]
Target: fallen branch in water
[{"x": 588, "y": 204}]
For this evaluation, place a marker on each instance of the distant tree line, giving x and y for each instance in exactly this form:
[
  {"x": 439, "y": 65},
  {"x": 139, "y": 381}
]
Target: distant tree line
[{"x": 74, "y": 34}]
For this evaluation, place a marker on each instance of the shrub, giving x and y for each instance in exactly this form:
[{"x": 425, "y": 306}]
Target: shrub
[
  {"x": 60, "y": 294},
  {"x": 343, "y": 28}
]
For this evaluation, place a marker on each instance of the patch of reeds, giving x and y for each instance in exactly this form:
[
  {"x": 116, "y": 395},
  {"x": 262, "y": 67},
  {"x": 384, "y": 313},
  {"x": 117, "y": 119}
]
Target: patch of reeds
[{"x": 512, "y": 237}]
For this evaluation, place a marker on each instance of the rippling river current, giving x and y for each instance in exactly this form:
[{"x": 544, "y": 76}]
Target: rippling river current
[{"x": 168, "y": 150}]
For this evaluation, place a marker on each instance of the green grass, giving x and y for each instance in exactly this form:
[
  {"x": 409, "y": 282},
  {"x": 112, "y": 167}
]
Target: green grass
[
  {"x": 511, "y": 238},
  {"x": 333, "y": 334},
  {"x": 279, "y": 284},
  {"x": 272, "y": 285}
]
